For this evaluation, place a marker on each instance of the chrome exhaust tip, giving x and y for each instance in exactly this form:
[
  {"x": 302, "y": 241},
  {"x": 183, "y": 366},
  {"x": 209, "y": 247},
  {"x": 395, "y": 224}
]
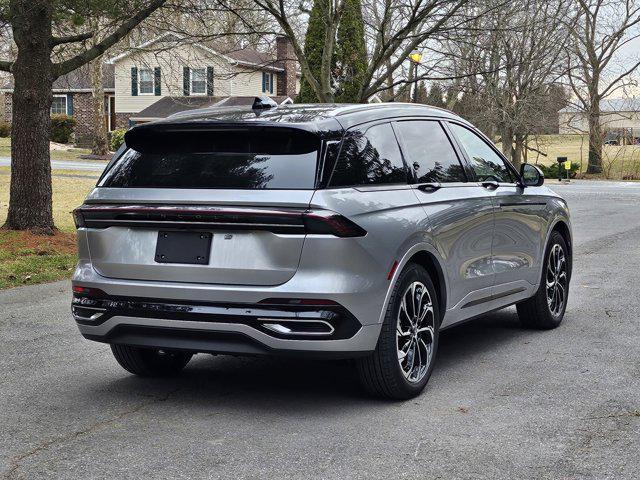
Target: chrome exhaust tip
[{"x": 296, "y": 327}]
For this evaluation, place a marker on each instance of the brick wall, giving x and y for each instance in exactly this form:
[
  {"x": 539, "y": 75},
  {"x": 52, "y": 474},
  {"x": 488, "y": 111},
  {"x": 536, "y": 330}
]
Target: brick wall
[
  {"x": 287, "y": 59},
  {"x": 83, "y": 112},
  {"x": 122, "y": 120}
]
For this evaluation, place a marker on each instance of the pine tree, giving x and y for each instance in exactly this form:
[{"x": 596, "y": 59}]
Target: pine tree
[
  {"x": 313, "y": 48},
  {"x": 351, "y": 54},
  {"x": 436, "y": 96}
]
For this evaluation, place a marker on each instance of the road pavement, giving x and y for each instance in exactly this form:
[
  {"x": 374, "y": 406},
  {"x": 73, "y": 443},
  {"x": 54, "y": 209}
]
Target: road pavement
[
  {"x": 88, "y": 165},
  {"x": 503, "y": 402}
]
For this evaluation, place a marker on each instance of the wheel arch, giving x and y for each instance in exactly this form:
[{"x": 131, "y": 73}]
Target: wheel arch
[
  {"x": 565, "y": 231},
  {"x": 427, "y": 257}
]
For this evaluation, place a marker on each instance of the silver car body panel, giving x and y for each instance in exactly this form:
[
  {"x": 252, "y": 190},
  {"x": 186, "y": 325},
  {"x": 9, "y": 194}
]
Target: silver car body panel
[{"x": 489, "y": 245}]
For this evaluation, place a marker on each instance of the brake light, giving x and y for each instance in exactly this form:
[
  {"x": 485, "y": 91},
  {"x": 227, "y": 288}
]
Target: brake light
[
  {"x": 217, "y": 218},
  {"x": 327, "y": 222}
]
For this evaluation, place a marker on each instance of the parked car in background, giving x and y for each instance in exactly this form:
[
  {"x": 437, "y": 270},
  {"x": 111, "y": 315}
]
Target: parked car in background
[{"x": 333, "y": 231}]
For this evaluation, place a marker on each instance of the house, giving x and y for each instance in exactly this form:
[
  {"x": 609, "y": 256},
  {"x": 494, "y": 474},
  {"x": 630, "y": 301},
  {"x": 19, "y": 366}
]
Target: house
[
  {"x": 73, "y": 95},
  {"x": 619, "y": 118},
  {"x": 169, "y": 74}
]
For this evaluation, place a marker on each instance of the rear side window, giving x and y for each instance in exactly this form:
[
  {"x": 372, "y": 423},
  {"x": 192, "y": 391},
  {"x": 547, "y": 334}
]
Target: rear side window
[
  {"x": 246, "y": 159},
  {"x": 430, "y": 152},
  {"x": 371, "y": 157},
  {"x": 486, "y": 163}
]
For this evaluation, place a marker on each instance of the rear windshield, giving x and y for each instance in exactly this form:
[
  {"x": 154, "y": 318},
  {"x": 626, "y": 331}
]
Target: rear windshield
[{"x": 238, "y": 159}]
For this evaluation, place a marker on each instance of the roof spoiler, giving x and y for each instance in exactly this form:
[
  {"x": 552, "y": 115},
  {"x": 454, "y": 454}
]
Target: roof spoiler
[{"x": 263, "y": 103}]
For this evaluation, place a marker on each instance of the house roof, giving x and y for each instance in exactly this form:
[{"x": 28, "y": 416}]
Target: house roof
[
  {"x": 76, "y": 81},
  {"x": 611, "y": 105},
  {"x": 168, "y": 106},
  {"x": 233, "y": 54}
]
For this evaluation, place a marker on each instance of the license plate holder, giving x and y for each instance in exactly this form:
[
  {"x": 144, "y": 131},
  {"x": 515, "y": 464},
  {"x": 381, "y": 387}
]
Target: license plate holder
[{"x": 183, "y": 247}]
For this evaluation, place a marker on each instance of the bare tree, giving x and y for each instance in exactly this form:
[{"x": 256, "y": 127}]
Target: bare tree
[
  {"x": 393, "y": 31},
  {"x": 518, "y": 52},
  {"x": 39, "y": 29},
  {"x": 603, "y": 28}
]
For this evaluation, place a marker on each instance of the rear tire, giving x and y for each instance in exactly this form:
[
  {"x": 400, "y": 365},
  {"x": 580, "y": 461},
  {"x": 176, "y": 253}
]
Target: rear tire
[
  {"x": 545, "y": 310},
  {"x": 400, "y": 366},
  {"x": 149, "y": 362}
]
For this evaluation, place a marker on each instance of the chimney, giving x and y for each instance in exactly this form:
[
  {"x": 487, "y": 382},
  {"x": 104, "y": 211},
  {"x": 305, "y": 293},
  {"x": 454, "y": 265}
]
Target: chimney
[{"x": 286, "y": 59}]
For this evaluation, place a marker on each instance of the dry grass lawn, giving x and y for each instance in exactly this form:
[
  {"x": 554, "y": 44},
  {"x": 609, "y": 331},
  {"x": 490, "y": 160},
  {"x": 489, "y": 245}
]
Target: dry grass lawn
[
  {"x": 70, "y": 154},
  {"x": 619, "y": 162},
  {"x": 26, "y": 258}
]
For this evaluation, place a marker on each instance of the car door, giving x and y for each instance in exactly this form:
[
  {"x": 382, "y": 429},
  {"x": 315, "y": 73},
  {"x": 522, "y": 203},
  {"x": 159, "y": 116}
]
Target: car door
[
  {"x": 520, "y": 224},
  {"x": 460, "y": 213}
]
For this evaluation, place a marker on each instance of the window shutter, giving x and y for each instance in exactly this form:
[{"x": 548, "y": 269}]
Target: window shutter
[
  {"x": 70, "y": 104},
  {"x": 210, "y": 81},
  {"x": 264, "y": 79},
  {"x": 157, "y": 89},
  {"x": 134, "y": 81},
  {"x": 271, "y": 83},
  {"x": 186, "y": 78}
]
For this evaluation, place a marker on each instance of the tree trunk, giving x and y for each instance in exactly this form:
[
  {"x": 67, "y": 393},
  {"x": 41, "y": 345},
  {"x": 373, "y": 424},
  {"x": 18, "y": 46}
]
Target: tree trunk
[
  {"x": 594, "y": 164},
  {"x": 518, "y": 152},
  {"x": 100, "y": 139},
  {"x": 30, "y": 192},
  {"x": 507, "y": 142}
]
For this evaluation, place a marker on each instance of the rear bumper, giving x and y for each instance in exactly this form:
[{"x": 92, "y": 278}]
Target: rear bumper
[{"x": 245, "y": 329}]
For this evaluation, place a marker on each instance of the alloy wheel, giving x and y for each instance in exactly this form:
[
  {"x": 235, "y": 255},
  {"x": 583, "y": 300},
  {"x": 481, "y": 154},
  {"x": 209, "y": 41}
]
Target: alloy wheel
[
  {"x": 557, "y": 281},
  {"x": 415, "y": 332}
]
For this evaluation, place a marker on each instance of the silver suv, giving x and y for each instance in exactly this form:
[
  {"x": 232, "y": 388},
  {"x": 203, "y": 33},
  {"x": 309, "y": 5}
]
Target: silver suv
[{"x": 357, "y": 231}]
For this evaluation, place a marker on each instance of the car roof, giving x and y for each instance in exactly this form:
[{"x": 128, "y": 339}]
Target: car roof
[{"x": 313, "y": 117}]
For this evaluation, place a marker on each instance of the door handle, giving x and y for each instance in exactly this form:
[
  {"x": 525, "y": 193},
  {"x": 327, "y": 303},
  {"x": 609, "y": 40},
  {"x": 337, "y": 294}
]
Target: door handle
[
  {"x": 490, "y": 184},
  {"x": 429, "y": 187}
]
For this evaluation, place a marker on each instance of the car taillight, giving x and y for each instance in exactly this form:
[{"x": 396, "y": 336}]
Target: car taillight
[
  {"x": 217, "y": 218},
  {"x": 78, "y": 218},
  {"x": 327, "y": 222}
]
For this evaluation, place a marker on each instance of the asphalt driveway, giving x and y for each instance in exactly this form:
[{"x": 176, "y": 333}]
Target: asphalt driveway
[{"x": 503, "y": 402}]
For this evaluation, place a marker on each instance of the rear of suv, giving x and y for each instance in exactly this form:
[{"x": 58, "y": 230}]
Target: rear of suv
[{"x": 303, "y": 230}]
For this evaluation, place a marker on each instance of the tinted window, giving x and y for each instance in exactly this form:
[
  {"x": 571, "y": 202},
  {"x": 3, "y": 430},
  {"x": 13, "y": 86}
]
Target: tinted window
[
  {"x": 223, "y": 159},
  {"x": 369, "y": 158},
  {"x": 427, "y": 144},
  {"x": 486, "y": 163}
]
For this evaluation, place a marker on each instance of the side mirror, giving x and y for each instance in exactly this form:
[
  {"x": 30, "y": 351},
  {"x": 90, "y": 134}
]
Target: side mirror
[{"x": 531, "y": 175}]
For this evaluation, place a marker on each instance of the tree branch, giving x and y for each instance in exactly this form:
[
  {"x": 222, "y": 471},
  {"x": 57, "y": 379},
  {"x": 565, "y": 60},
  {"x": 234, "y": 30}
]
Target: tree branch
[
  {"x": 99, "y": 48},
  {"x": 71, "y": 38}
]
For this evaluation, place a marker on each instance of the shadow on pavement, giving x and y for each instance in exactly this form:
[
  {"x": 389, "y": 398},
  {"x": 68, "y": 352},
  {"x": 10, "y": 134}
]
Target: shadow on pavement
[{"x": 256, "y": 383}]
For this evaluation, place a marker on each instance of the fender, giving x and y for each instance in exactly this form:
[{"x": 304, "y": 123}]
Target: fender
[{"x": 402, "y": 262}]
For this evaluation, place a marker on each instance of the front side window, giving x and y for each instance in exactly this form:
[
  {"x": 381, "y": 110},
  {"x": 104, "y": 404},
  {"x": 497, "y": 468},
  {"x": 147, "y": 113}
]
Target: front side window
[
  {"x": 430, "y": 152},
  {"x": 145, "y": 81},
  {"x": 486, "y": 163},
  {"x": 59, "y": 105},
  {"x": 369, "y": 158},
  {"x": 198, "y": 81}
]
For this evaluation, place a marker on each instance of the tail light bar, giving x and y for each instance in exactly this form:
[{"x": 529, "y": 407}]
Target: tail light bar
[{"x": 211, "y": 218}]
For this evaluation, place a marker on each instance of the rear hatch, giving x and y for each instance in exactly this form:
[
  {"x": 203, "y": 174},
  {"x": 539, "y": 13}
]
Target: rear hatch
[{"x": 223, "y": 206}]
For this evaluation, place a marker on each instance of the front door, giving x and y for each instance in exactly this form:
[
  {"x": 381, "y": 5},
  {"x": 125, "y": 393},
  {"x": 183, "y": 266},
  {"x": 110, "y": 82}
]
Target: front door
[{"x": 519, "y": 216}]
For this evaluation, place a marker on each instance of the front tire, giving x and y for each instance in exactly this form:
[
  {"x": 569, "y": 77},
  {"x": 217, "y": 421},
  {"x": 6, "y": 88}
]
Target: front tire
[
  {"x": 545, "y": 310},
  {"x": 149, "y": 362},
  {"x": 400, "y": 366}
]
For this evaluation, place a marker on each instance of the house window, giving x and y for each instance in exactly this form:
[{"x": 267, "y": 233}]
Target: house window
[
  {"x": 145, "y": 81},
  {"x": 267, "y": 82},
  {"x": 59, "y": 105},
  {"x": 198, "y": 81}
]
